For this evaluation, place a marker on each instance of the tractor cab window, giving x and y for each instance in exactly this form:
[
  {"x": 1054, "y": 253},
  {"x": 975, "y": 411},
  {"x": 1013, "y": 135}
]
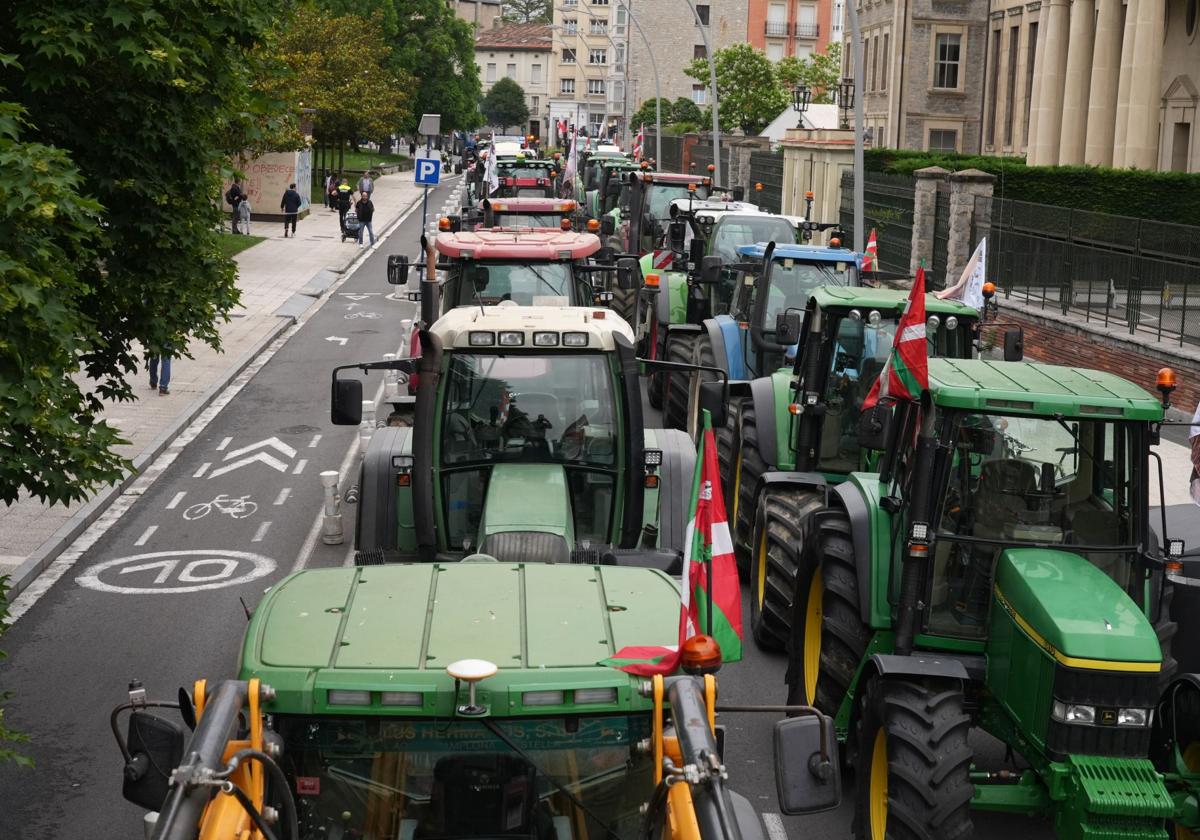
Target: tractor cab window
[
  {"x": 1011, "y": 481},
  {"x": 856, "y": 357},
  {"x": 732, "y": 232},
  {"x": 382, "y": 778},
  {"x": 524, "y": 172},
  {"x": 660, "y": 196},
  {"x": 530, "y": 220},
  {"x": 547, "y": 283},
  {"x": 792, "y": 283}
]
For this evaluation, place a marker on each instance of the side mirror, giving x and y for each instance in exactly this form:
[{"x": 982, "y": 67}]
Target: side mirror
[
  {"x": 397, "y": 269},
  {"x": 806, "y": 780},
  {"x": 739, "y": 193},
  {"x": 787, "y": 327},
  {"x": 874, "y": 427},
  {"x": 712, "y": 400},
  {"x": 604, "y": 256},
  {"x": 346, "y": 408},
  {"x": 629, "y": 274},
  {"x": 676, "y": 232},
  {"x": 710, "y": 269},
  {"x": 1014, "y": 345},
  {"x": 155, "y": 749},
  {"x": 613, "y": 188},
  {"x": 608, "y": 225}
]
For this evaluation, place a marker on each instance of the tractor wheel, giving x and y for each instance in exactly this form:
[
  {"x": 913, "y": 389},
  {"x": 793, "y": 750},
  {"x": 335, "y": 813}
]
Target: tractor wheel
[
  {"x": 913, "y": 762},
  {"x": 750, "y": 469},
  {"x": 829, "y": 637},
  {"x": 676, "y": 386},
  {"x": 727, "y": 454},
  {"x": 1177, "y": 725},
  {"x": 624, "y": 303},
  {"x": 702, "y": 354},
  {"x": 779, "y": 525}
]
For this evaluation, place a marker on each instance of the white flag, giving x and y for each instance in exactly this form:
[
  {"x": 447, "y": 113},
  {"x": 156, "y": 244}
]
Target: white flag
[
  {"x": 969, "y": 288},
  {"x": 492, "y": 173},
  {"x": 572, "y": 158}
]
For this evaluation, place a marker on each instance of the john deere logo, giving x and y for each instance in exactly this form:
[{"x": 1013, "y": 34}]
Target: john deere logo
[{"x": 1107, "y": 717}]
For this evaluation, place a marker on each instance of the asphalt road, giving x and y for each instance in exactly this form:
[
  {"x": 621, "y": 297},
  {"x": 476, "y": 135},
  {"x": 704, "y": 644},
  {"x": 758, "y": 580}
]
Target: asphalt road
[{"x": 158, "y": 597}]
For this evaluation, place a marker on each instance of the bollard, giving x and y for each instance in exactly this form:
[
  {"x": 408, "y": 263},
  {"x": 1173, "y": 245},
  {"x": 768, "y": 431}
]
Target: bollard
[
  {"x": 367, "y": 425},
  {"x": 331, "y": 524},
  {"x": 406, "y": 338},
  {"x": 391, "y": 381}
]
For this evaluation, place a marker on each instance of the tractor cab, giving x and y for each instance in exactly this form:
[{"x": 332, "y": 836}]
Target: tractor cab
[
  {"x": 648, "y": 211},
  {"x": 599, "y": 173},
  {"x": 526, "y": 177},
  {"x": 529, "y": 212}
]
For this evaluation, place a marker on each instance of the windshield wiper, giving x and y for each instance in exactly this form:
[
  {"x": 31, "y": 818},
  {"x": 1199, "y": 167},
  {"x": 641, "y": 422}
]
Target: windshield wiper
[{"x": 1104, "y": 474}]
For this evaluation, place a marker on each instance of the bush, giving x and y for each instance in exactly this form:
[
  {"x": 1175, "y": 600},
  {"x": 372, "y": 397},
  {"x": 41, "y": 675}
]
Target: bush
[{"x": 1160, "y": 196}]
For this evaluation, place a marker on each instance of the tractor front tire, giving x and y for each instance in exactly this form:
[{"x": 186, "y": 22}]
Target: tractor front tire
[
  {"x": 779, "y": 526},
  {"x": 624, "y": 303},
  {"x": 750, "y": 468},
  {"x": 913, "y": 762},
  {"x": 702, "y": 355},
  {"x": 676, "y": 385},
  {"x": 828, "y": 635}
]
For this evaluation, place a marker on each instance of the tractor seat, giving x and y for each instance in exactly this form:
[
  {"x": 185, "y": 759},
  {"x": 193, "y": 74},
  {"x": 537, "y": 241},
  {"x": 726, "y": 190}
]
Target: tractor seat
[{"x": 1000, "y": 498}]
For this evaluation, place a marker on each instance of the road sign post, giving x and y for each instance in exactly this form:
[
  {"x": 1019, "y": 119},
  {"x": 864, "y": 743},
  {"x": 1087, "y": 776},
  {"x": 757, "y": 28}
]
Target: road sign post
[{"x": 426, "y": 170}]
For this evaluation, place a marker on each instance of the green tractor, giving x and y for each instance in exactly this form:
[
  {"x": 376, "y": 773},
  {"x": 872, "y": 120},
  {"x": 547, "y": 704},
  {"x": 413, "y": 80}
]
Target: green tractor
[
  {"x": 524, "y": 441},
  {"x": 597, "y": 173},
  {"x": 998, "y": 573}
]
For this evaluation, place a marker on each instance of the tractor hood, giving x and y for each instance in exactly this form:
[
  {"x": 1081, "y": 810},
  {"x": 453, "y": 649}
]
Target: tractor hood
[
  {"x": 528, "y": 498},
  {"x": 1072, "y": 609}
]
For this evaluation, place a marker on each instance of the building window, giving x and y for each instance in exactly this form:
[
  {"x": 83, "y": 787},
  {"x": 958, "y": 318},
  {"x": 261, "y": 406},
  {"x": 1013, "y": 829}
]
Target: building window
[
  {"x": 804, "y": 51},
  {"x": 595, "y": 87},
  {"x": 599, "y": 27},
  {"x": 702, "y": 13},
  {"x": 870, "y": 65},
  {"x": 617, "y": 94},
  {"x": 599, "y": 2},
  {"x": 535, "y": 74},
  {"x": 569, "y": 26},
  {"x": 491, "y": 73},
  {"x": 883, "y": 78},
  {"x": 946, "y": 57},
  {"x": 620, "y": 16},
  {"x": 568, "y": 56},
  {"x": 699, "y": 94},
  {"x": 619, "y": 57},
  {"x": 1031, "y": 49},
  {"x": 566, "y": 85},
  {"x": 570, "y": 2},
  {"x": 597, "y": 56},
  {"x": 807, "y": 26},
  {"x": 534, "y": 102},
  {"x": 511, "y": 71},
  {"x": 993, "y": 89},
  {"x": 775, "y": 51},
  {"x": 1010, "y": 98},
  {"x": 698, "y": 52},
  {"x": 943, "y": 140}
]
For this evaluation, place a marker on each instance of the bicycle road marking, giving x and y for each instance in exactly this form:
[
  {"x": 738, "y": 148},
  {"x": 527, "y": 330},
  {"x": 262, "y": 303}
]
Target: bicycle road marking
[
  {"x": 176, "y": 572},
  {"x": 146, "y": 535},
  {"x": 176, "y": 499}
]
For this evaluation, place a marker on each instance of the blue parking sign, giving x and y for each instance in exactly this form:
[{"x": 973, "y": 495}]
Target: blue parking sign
[{"x": 427, "y": 171}]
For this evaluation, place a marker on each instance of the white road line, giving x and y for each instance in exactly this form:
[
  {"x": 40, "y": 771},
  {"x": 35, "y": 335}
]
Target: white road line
[
  {"x": 283, "y": 494},
  {"x": 261, "y": 532},
  {"x": 224, "y": 442},
  {"x": 312, "y": 444},
  {"x": 300, "y": 465},
  {"x": 146, "y": 535},
  {"x": 176, "y": 499},
  {"x": 203, "y": 469},
  {"x": 774, "y": 824}
]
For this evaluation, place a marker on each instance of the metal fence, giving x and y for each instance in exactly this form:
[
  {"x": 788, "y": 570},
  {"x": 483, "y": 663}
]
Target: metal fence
[
  {"x": 672, "y": 152},
  {"x": 1138, "y": 274},
  {"x": 766, "y": 168},
  {"x": 888, "y": 208}
]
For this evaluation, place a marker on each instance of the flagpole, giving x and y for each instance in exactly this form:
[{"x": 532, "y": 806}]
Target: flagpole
[{"x": 708, "y": 575}]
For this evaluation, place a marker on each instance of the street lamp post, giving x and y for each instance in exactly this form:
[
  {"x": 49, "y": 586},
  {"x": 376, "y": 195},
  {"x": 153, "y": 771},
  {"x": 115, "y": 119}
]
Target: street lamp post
[
  {"x": 657, "y": 87},
  {"x": 712, "y": 78},
  {"x": 856, "y": 54},
  {"x": 801, "y": 99},
  {"x": 845, "y": 100}
]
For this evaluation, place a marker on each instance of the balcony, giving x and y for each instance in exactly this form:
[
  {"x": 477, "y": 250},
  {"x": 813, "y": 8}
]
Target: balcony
[
  {"x": 777, "y": 29},
  {"x": 808, "y": 30}
]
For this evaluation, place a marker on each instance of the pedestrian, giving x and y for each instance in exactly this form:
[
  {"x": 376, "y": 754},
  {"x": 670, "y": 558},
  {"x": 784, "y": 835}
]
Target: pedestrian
[
  {"x": 1194, "y": 440},
  {"x": 365, "y": 185},
  {"x": 234, "y": 196},
  {"x": 243, "y": 212},
  {"x": 343, "y": 203},
  {"x": 290, "y": 205},
  {"x": 331, "y": 193},
  {"x": 365, "y": 210},
  {"x": 160, "y": 375},
  {"x": 325, "y": 199},
  {"x": 412, "y": 148}
]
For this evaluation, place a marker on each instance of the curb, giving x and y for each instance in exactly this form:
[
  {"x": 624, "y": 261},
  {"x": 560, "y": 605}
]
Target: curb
[{"x": 47, "y": 552}]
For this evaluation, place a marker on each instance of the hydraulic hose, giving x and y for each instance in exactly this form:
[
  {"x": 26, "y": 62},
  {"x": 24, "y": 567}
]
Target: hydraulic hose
[{"x": 290, "y": 818}]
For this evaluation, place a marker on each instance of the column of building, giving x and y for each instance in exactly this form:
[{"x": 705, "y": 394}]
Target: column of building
[{"x": 1102, "y": 96}]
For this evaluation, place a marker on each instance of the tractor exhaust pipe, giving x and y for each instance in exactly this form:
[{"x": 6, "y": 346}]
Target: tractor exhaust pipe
[{"x": 919, "y": 545}]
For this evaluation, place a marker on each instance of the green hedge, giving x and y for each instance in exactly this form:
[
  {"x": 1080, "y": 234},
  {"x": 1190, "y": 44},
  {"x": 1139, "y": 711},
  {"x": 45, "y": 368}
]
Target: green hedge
[{"x": 1162, "y": 196}]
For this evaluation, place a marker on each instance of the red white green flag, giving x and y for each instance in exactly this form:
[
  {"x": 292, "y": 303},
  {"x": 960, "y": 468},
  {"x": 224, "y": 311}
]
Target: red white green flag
[
  {"x": 906, "y": 372},
  {"x": 711, "y": 596}
]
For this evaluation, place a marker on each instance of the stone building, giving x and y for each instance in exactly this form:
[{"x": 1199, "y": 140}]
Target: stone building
[
  {"x": 590, "y": 59},
  {"x": 1103, "y": 82},
  {"x": 521, "y": 52},
  {"x": 789, "y": 27},
  {"x": 924, "y": 72},
  {"x": 482, "y": 13}
]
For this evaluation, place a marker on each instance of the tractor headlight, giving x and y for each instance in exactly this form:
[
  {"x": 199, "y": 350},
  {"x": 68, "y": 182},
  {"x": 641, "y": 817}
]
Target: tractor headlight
[
  {"x": 874, "y": 319},
  {"x": 1134, "y": 717},
  {"x": 575, "y": 339},
  {"x": 931, "y": 323},
  {"x": 545, "y": 339},
  {"x": 652, "y": 457},
  {"x": 482, "y": 339},
  {"x": 1073, "y": 712},
  {"x": 512, "y": 339},
  {"x": 952, "y": 323},
  {"x": 542, "y": 698},
  {"x": 595, "y": 695}
]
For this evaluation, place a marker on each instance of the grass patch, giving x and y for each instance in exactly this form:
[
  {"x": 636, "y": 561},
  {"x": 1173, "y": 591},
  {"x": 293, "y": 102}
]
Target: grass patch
[{"x": 230, "y": 244}]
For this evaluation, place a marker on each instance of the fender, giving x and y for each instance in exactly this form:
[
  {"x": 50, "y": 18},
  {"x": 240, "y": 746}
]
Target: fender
[
  {"x": 674, "y": 496},
  {"x": 950, "y": 666},
  {"x": 671, "y": 302},
  {"x": 712, "y": 328},
  {"x": 807, "y": 480},
  {"x": 726, "y": 337},
  {"x": 762, "y": 394},
  {"x": 383, "y": 521},
  {"x": 870, "y": 530}
]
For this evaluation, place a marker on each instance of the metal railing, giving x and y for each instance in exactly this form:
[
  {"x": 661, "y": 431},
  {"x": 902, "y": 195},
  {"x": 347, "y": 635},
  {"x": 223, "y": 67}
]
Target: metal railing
[
  {"x": 808, "y": 30},
  {"x": 888, "y": 210},
  {"x": 1138, "y": 274},
  {"x": 776, "y": 29}
]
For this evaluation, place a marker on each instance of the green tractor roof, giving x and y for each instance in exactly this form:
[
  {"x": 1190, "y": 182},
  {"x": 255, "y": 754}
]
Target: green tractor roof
[
  {"x": 865, "y": 297},
  {"x": 377, "y": 639},
  {"x": 1040, "y": 390}
]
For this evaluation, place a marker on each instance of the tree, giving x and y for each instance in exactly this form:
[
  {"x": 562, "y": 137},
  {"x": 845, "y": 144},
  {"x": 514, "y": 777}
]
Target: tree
[
  {"x": 820, "y": 71},
  {"x": 504, "y": 104},
  {"x": 644, "y": 115},
  {"x": 750, "y": 96},
  {"x": 526, "y": 11},
  {"x": 684, "y": 110},
  {"x": 118, "y": 118}
]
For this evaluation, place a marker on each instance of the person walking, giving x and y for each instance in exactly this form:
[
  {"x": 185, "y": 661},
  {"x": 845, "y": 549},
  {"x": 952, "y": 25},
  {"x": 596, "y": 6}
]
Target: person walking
[
  {"x": 343, "y": 204},
  {"x": 365, "y": 185},
  {"x": 325, "y": 200},
  {"x": 366, "y": 211},
  {"x": 290, "y": 205},
  {"x": 412, "y": 148},
  {"x": 235, "y": 195},
  {"x": 159, "y": 366},
  {"x": 243, "y": 212},
  {"x": 331, "y": 193}
]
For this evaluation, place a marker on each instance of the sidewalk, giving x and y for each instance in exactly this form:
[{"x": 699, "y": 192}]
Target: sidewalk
[{"x": 279, "y": 280}]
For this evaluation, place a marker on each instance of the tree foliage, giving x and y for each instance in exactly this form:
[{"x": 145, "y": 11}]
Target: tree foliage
[
  {"x": 749, "y": 94},
  {"x": 118, "y": 119},
  {"x": 526, "y": 11},
  {"x": 820, "y": 71},
  {"x": 504, "y": 104},
  {"x": 684, "y": 110},
  {"x": 344, "y": 77},
  {"x": 9, "y": 740},
  {"x": 645, "y": 113}
]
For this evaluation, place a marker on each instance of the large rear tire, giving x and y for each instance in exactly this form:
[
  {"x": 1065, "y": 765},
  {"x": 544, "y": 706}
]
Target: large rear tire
[
  {"x": 914, "y": 760},
  {"x": 624, "y": 303},
  {"x": 677, "y": 385},
  {"x": 750, "y": 469},
  {"x": 702, "y": 354},
  {"x": 828, "y": 636},
  {"x": 779, "y": 527}
]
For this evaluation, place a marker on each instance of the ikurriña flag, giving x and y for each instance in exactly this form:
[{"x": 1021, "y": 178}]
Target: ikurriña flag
[{"x": 905, "y": 374}]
